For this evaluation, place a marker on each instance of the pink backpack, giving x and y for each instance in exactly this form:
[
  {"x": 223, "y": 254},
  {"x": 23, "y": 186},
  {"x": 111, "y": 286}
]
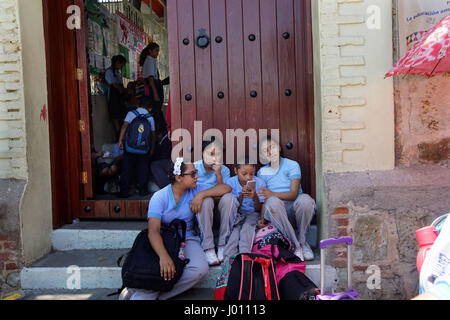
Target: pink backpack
[{"x": 270, "y": 242}]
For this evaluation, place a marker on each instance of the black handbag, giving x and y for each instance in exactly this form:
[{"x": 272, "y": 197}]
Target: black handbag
[{"x": 141, "y": 269}]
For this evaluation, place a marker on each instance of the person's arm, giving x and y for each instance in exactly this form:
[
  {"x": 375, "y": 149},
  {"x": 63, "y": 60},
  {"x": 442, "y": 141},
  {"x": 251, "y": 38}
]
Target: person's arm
[
  {"x": 218, "y": 172},
  {"x": 217, "y": 191},
  {"x": 288, "y": 196},
  {"x": 167, "y": 266},
  {"x": 122, "y": 134}
]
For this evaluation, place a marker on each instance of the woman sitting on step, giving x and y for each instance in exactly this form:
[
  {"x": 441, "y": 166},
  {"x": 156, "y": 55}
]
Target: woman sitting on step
[{"x": 182, "y": 199}]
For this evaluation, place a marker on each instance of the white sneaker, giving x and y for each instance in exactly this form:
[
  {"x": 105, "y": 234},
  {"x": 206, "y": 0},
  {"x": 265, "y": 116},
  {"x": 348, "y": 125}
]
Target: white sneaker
[
  {"x": 127, "y": 293},
  {"x": 220, "y": 251},
  {"x": 307, "y": 252},
  {"x": 299, "y": 253},
  {"x": 211, "y": 257}
]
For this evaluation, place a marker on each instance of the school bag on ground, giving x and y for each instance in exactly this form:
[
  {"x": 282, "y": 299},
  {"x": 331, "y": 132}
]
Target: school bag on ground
[
  {"x": 292, "y": 282},
  {"x": 139, "y": 134},
  {"x": 141, "y": 269},
  {"x": 248, "y": 277}
]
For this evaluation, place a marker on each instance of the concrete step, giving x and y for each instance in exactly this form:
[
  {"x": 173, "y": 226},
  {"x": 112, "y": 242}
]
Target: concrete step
[
  {"x": 94, "y": 269},
  {"x": 92, "y": 235},
  {"x": 107, "y": 235}
]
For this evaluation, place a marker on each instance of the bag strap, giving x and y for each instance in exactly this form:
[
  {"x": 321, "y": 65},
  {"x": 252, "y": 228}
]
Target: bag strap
[{"x": 177, "y": 224}]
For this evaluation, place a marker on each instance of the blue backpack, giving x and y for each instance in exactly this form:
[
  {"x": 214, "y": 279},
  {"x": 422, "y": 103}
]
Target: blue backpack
[{"x": 139, "y": 134}]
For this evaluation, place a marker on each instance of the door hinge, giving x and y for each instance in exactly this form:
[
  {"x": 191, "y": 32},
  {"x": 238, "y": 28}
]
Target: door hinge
[
  {"x": 84, "y": 177},
  {"x": 82, "y": 124},
  {"x": 80, "y": 73}
]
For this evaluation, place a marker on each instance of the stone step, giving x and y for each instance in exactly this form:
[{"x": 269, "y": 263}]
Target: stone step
[
  {"x": 108, "y": 235},
  {"x": 94, "y": 269}
]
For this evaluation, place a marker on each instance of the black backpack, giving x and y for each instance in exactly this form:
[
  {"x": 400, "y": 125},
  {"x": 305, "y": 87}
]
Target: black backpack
[
  {"x": 252, "y": 277},
  {"x": 141, "y": 269},
  {"x": 139, "y": 134}
]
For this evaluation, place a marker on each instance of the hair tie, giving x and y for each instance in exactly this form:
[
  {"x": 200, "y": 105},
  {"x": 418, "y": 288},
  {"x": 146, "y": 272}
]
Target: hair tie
[{"x": 177, "y": 167}]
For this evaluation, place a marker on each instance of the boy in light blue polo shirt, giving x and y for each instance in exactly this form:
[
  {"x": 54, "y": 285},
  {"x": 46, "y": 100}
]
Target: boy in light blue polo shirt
[{"x": 210, "y": 173}]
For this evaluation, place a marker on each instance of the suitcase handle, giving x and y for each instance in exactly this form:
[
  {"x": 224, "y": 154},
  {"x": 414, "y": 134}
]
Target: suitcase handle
[
  {"x": 337, "y": 240},
  {"x": 323, "y": 245}
]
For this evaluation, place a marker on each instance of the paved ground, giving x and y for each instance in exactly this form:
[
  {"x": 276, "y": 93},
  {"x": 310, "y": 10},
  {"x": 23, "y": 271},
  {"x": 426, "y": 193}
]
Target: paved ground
[{"x": 102, "y": 294}]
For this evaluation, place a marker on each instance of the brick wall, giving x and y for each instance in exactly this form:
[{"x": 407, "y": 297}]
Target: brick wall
[
  {"x": 13, "y": 166},
  {"x": 355, "y": 97},
  {"x": 12, "y": 134}
]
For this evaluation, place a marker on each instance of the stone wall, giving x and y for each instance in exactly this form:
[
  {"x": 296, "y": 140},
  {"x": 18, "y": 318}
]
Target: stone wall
[
  {"x": 422, "y": 115},
  {"x": 381, "y": 210}
]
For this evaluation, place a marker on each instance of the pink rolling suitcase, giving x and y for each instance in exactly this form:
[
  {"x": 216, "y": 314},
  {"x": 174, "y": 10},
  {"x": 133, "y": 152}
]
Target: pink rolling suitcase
[{"x": 350, "y": 294}]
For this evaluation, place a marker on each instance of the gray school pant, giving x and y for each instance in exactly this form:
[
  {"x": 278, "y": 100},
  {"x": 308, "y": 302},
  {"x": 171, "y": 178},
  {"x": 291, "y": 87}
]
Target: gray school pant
[
  {"x": 242, "y": 235},
  {"x": 195, "y": 271},
  {"x": 286, "y": 214},
  {"x": 227, "y": 208}
]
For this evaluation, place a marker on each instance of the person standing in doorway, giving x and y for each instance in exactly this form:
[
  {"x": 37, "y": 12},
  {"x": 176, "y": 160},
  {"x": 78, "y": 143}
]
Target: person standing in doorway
[
  {"x": 148, "y": 62},
  {"x": 117, "y": 93}
]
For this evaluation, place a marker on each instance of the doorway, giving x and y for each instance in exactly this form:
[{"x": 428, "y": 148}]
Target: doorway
[{"x": 234, "y": 64}]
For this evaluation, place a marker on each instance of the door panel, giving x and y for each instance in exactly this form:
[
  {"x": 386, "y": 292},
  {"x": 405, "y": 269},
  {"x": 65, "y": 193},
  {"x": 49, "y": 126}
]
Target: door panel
[
  {"x": 287, "y": 80},
  {"x": 220, "y": 111},
  {"x": 265, "y": 49}
]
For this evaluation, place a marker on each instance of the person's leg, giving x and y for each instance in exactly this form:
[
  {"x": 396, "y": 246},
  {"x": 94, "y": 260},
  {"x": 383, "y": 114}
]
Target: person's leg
[
  {"x": 304, "y": 208},
  {"x": 127, "y": 173},
  {"x": 195, "y": 271},
  {"x": 232, "y": 246},
  {"x": 205, "y": 222},
  {"x": 142, "y": 173},
  {"x": 248, "y": 231},
  {"x": 228, "y": 209},
  {"x": 275, "y": 212}
]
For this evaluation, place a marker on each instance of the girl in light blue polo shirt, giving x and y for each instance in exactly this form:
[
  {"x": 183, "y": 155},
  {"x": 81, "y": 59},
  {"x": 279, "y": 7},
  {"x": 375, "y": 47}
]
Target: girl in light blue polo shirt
[
  {"x": 244, "y": 185},
  {"x": 284, "y": 196},
  {"x": 211, "y": 172},
  {"x": 182, "y": 199}
]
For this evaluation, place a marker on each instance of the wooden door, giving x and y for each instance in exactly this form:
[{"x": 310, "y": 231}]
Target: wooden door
[{"x": 256, "y": 72}]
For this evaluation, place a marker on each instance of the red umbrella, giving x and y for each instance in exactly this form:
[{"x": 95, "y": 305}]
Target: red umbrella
[{"x": 430, "y": 55}]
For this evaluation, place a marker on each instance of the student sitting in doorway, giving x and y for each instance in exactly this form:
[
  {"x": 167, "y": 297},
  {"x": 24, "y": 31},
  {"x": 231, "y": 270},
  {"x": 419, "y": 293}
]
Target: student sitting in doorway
[
  {"x": 138, "y": 139},
  {"x": 211, "y": 172},
  {"x": 182, "y": 199},
  {"x": 244, "y": 185},
  {"x": 285, "y": 197}
]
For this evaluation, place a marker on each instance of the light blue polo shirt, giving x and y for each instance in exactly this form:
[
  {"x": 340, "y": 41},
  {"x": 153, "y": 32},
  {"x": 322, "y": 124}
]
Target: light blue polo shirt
[
  {"x": 210, "y": 179},
  {"x": 248, "y": 205},
  {"x": 280, "y": 180},
  {"x": 111, "y": 78},
  {"x": 163, "y": 207},
  {"x": 131, "y": 116},
  {"x": 150, "y": 68}
]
